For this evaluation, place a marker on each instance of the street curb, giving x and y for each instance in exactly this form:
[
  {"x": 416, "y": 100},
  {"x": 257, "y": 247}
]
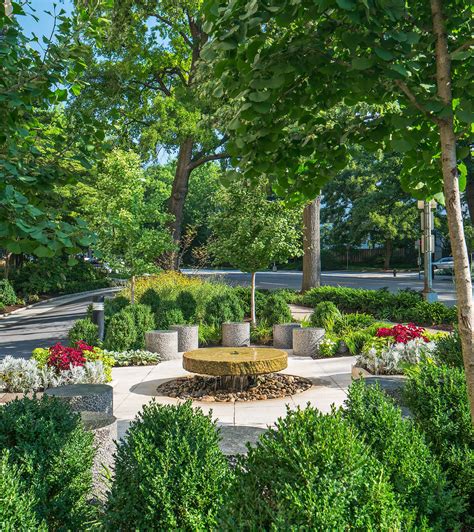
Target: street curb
[{"x": 67, "y": 297}]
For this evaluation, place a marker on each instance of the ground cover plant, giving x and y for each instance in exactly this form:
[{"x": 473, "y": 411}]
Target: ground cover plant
[
  {"x": 170, "y": 472},
  {"x": 53, "y": 454},
  {"x": 134, "y": 357}
]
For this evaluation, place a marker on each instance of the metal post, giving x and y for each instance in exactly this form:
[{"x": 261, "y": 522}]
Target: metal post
[
  {"x": 98, "y": 314},
  {"x": 427, "y": 226}
]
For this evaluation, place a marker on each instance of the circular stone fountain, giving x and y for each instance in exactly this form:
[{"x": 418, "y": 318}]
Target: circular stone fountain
[{"x": 235, "y": 374}]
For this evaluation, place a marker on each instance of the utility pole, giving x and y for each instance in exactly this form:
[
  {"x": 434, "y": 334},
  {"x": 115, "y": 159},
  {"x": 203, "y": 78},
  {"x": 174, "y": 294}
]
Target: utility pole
[{"x": 427, "y": 247}]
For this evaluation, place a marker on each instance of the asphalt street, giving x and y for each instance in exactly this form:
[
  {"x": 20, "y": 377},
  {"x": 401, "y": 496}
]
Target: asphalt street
[{"x": 47, "y": 323}]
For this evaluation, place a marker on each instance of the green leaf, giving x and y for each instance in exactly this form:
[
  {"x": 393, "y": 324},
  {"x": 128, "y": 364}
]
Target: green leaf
[
  {"x": 462, "y": 177},
  {"x": 384, "y": 54},
  {"x": 362, "y": 63},
  {"x": 348, "y": 5}
]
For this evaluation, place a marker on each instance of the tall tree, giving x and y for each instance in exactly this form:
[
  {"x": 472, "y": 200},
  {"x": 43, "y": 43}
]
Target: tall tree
[
  {"x": 146, "y": 82},
  {"x": 41, "y": 147},
  {"x": 251, "y": 230},
  {"x": 131, "y": 230},
  {"x": 365, "y": 202},
  {"x": 311, "y": 245},
  {"x": 416, "y": 56}
]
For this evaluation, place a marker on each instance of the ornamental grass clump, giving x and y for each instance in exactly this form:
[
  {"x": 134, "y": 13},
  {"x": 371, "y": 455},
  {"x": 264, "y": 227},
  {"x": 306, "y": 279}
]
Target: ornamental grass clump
[
  {"x": 414, "y": 471},
  {"x": 54, "y": 453},
  {"x": 312, "y": 472},
  {"x": 170, "y": 473}
]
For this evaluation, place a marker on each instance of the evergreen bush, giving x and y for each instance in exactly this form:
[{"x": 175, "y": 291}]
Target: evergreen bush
[
  {"x": 168, "y": 314},
  {"x": 448, "y": 350},
  {"x": 143, "y": 320},
  {"x": 151, "y": 298},
  {"x": 312, "y": 472},
  {"x": 7, "y": 293},
  {"x": 413, "y": 470},
  {"x": 17, "y": 504},
  {"x": 276, "y": 310},
  {"x": 187, "y": 303},
  {"x": 121, "y": 333},
  {"x": 325, "y": 314},
  {"x": 437, "y": 398},
  {"x": 84, "y": 330},
  {"x": 223, "y": 307},
  {"x": 48, "y": 442},
  {"x": 170, "y": 473}
]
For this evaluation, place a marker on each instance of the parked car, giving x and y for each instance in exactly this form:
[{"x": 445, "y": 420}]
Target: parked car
[{"x": 446, "y": 263}]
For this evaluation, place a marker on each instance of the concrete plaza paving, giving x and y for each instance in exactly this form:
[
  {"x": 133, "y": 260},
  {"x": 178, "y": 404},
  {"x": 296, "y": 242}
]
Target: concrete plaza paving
[{"x": 239, "y": 421}]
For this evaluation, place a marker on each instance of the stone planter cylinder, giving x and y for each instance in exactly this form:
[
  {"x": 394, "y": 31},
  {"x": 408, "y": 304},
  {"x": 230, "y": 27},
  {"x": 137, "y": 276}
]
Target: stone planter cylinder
[
  {"x": 236, "y": 334},
  {"x": 165, "y": 343},
  {"x": 283, "y": 335},
  {"x": 188, "y": 337},
  {"x": 104, "y": 429},
  {"x": 306, "y": 341},
  {"x": 85, "y": 397}
]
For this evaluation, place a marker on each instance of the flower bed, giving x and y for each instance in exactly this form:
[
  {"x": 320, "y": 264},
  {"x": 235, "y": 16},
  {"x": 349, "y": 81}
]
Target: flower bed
[{"x": 395, "y": 348}]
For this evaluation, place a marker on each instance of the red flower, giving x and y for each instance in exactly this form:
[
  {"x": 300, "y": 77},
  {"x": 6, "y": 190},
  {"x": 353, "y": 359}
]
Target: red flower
[
  {"x": 62, "y": 357},
  {"x": 402, "y": 333}
]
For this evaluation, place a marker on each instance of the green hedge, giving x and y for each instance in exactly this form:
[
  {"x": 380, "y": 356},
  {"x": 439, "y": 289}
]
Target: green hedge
[
  {"x": 313, "y": 472},
  {"x": 413, "y": 470},
  {"x": 437, "y": 398},
  {"x": 402, "y": 306},
  {"x": 48, "y": 442},
  {"x": 170, "y": 473},
  {"x": 120, "y": 333},
  {"x": 224, "y": 307},
  {"x": 276, "y": 310}
]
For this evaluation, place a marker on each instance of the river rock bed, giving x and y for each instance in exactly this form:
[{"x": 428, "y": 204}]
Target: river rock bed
[{"x": 271, "y": 386}]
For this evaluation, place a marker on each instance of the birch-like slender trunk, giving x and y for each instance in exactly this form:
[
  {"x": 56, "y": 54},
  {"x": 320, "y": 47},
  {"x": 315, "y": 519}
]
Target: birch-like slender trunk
[
  {"x": 253, "y": 314},
  {"x": 311, "y": 245},
  {"x": 453, "y": 199},
  {"x": 132, "y": 290}
]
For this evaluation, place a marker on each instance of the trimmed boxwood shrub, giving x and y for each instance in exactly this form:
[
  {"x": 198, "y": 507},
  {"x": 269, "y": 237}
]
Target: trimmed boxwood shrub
[
  {"x": 17, "y": 503},
  {"x": 448, "y": 350},
  {"x": 437, "y": 398},
  {"x": 170, "y": 473},
  {"x": 143, "y": 320},
  {"x": 84, "y": 330},
  {"x": 55, "y": 454},
  {"x": 120, "y": 333},
  {"x": 168, "y": 314},
  {"x": 187, "y": 303},
  {"x": 276, "y": 310},
  {"x": 151, "y": 298},
  {"x": 312, "y": 473},
  {"x": 114, "y": 305},
  {"x": 7, "y": 293},
  {"x": 414, "y": 471},
  {"x": 224, "y": 307},
  {"x": 244, "y": 295},
  {"x": 325, "y": 314}
]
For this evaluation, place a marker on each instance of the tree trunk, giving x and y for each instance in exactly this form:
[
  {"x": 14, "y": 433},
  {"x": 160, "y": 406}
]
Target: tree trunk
[
  {"x": 253, "y": 314},
  {"x": 178, "y": 196},
  {"x": 453, "y": 200},
  {"x": 388, "y": 253},
  {"x": 132, "y": 290},
  {"x": 311, "y": 245}
]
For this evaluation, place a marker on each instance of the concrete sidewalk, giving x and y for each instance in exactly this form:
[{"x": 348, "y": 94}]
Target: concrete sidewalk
[{"x": 136, "y": 386}]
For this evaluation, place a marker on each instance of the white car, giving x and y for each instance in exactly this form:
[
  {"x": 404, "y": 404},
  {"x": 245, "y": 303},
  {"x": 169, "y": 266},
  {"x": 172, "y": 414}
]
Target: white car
[{"x": 446, "y": 263}]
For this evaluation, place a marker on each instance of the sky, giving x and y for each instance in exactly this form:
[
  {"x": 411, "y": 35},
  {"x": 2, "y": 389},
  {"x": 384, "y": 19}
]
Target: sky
[{"x": 45, "y": 24}]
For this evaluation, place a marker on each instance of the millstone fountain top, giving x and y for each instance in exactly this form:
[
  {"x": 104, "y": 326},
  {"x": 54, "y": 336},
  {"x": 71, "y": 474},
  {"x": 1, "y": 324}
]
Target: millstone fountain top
[{"x": 235, "y": 361}]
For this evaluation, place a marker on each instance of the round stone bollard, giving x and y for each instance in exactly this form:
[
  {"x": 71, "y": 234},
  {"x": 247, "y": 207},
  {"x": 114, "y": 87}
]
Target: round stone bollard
[
  {"x": 188, "y": 337},
  {"x": 236, "y": 334},
  {"x": 283, "y": 335},
  {"x": 165, "y": 343},
  {"x": 85, "y": 397},
  {"x": 104, "y": 429},
  {"x": 306, "y": 341}
]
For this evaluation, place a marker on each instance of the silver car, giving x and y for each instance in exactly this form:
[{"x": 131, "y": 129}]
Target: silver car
[{"x": 446, "y": 263}]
